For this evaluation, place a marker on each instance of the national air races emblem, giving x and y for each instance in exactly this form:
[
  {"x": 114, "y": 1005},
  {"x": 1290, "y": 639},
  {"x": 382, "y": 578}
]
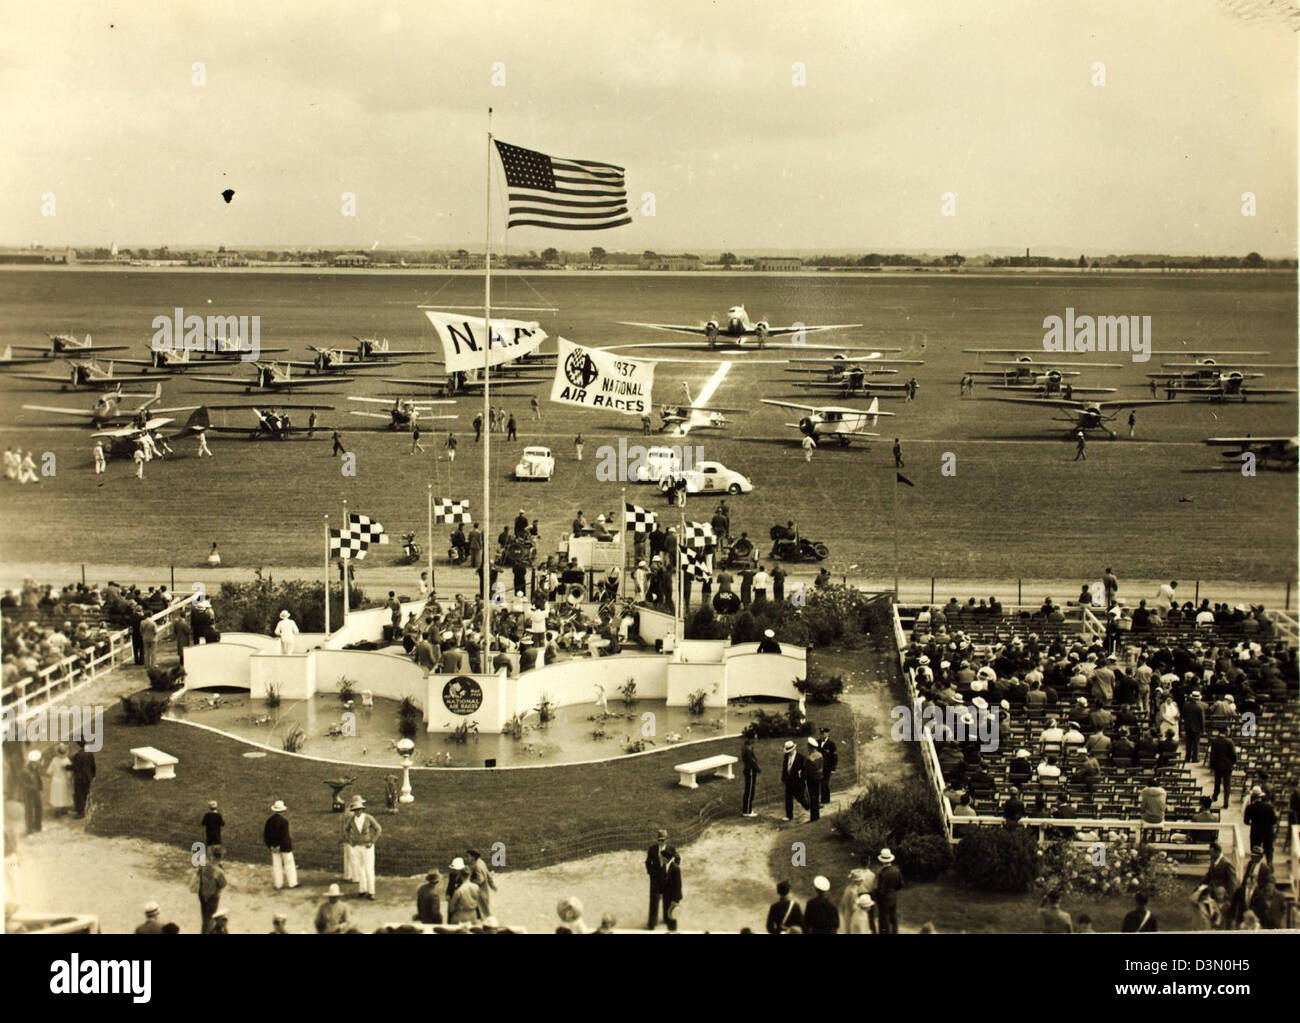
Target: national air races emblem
[
  {"x": 462, "y": 695},
  {"x": 580, "y": 369}
]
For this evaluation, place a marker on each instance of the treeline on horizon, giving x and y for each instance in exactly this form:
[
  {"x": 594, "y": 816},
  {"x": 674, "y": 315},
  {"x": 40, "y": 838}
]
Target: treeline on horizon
[{"x": 600, "y": 258}]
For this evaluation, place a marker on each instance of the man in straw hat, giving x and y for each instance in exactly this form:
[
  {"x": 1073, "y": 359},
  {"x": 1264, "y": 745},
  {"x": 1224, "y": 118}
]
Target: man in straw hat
[
  {"x": 278, "y": 839},
  {"x": 287, "y": 630},
  {"x": 792, "y": 777},
  {"x": 332, "y": 917},
  {"x": 360, "y": 833},
  {"x": 151, "y": 924},
  {"x": 657, "y": 858},
  {"x": 888, "y": 882}
]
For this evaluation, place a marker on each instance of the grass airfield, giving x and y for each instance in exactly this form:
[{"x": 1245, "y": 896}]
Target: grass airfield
[{"x": 1018, "y": 505}]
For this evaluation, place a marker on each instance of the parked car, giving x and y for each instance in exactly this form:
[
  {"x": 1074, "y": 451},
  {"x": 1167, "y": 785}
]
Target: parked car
[
  {"x": 708, "y": 478},
  {"x": 536, "y": 463}
]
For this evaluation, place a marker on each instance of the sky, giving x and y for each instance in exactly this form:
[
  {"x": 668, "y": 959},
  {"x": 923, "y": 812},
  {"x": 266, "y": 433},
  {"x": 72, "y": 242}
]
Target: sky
[{"x": 766, "y": 125}]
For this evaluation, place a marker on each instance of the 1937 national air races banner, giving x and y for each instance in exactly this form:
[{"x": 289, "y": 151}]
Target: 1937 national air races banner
[
  {"x": 463, "y": 339},
  {"x": 595, "y": 378}
]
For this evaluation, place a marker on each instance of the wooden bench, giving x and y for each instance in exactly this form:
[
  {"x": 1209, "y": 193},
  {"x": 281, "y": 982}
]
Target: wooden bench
[
  {"x": 720, "y": 765},
  {"x": 162, "y": 764}
]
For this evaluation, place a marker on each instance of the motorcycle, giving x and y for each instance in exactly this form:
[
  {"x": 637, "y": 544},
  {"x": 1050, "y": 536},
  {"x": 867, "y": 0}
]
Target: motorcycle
[
  {"x": 410, "y": 548},
  {"x": 796, "y": 548}
]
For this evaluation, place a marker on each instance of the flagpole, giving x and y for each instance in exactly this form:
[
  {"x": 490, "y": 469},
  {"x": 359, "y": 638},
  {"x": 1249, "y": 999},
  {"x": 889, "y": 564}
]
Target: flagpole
[
  {"x": 895, "y": 536},
  {"x": 432, "y": 588},
  {"x": 327, "y": 577},
  {"x": 622, "y": 540},
  {"x": 485, "y": 563},
  {"x": 345, "y": 564}
]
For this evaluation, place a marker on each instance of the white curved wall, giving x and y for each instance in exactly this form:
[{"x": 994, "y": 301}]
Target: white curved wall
[
  {"x": 572, "y": 682},
  {"x": 218, "y": 664},
  {"x": 384, "y": 675}
]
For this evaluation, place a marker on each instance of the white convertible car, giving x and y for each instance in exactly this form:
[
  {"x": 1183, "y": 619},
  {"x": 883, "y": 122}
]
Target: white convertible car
[
  {"x": 708, "y": 478},
  {"x": 535, "y": 464}
]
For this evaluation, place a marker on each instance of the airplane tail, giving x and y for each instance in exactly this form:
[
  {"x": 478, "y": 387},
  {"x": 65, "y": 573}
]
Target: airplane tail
[
  {"x": 198, "y": 421},
  {"x": 872, "y": 411}
]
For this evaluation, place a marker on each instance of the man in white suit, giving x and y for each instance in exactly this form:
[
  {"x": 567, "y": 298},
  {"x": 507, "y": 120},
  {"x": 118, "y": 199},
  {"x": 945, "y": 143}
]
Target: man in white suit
[{"x": 360, "y": 832}]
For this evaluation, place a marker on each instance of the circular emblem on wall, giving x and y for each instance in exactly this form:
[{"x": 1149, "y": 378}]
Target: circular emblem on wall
[
  {"x": 462, "y": 695},
  {"x": 580, "y": 369}
]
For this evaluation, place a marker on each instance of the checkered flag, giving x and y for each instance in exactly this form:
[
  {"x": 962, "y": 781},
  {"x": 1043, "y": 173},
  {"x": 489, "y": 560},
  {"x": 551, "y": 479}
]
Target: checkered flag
[
  {"x": 367, "y": 529},
  {"x": 448, "y": 511},
  {"x": 699, "y": 535},
  {"x": 346, "y": 545},
  {"x": 698, "y": 563},
  {"x": 638, "y": 519}
]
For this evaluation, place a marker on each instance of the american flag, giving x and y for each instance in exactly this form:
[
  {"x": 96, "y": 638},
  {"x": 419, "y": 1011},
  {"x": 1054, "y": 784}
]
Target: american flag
[{"x": 569, "y": 195}]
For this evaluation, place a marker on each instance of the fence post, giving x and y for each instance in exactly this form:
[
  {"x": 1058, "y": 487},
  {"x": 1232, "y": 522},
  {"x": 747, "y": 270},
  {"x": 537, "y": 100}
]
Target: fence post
[
  {"x": 83, "y": 573},
  {"x": 1197, "y": 599},
  {"x": 1287, "y": 605},
  {"x": 173, "y": 585},
  {"x": 932, "y": 589},
  {"x": 1020, "y": 597}
]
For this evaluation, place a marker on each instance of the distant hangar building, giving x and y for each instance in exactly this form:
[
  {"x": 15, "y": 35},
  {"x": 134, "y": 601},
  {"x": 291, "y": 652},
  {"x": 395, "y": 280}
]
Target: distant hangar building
[{"x": 778, "y": 263}]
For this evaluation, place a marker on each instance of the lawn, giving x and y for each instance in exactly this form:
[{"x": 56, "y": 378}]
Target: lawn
[{"x": 540, "y": 815}]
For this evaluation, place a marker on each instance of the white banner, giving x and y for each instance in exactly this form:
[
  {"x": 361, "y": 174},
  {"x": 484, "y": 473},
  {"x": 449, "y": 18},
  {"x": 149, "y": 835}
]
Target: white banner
[
  {"x": 462, "y": 340},
  {"x": 598, "y": 379}
]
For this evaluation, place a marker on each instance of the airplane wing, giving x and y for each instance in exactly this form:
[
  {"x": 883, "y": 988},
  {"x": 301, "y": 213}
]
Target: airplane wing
[
  {"x": 1227, "y": 365},
  {"x": 83, "y": 413},
  {"x": 268, "y": 407},
  {"x": 679, "y": 328},
  {"x": 418, "y": 402},
  {"x": 1248, "y": 442},
  {"x": 871, "y": 356},
  {"x": 445, "y": 382},
  {"x": 790, "y": 404},
  {"x": 779, "y": 331},
  {"x": 1048, "y": 364},
  {"x": 840, "y": 385},
  {"x": 64, "y": 378},
  {"x": 1029, "y": 388},
  {"x": 178, "y": 408},
  {"x": 1135, "y": 403},
  {"x": 23, "y": 360},
  {"x": 1061, "y": 403},
  {"x": 84, "y": 350},
  {"x": 371, "y": 415},
  {"x": 227, "y": 381}
]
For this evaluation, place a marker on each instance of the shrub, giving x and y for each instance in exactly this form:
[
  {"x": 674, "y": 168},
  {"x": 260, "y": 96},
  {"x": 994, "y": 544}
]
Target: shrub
[
  {"x": 545, "y": 709},
  {"x": 892, "y": 809},
  {"x": 272, "y": 695},
  {"x": 166, "y": 680},
  {"x": 514, "y": 727},
  {"x": 745, "y": 628},
  {"x": 1110, "y": 868},
  {"x": 628, "y": 691},
  {"x": 695, "y": 701},
  {"x": 997, "y": 859},
  {"x": 145, "y": 707},
  {"x": 346, "y": 688},
  {"x": 789, "y": 724},
  {"x": 923, "y": 857},
  {"x": 409, "y": 717},
  {"x": 702, "y": 623},
  {"x": 819, "y": 688},
  {"x": 255, "y": 606}
]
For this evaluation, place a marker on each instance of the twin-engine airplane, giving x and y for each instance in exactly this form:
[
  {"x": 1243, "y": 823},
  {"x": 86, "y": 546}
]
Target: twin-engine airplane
[
  {"x": 403, "y": 413},
  {"x": 459, "y": 383},
  {"x": 1282, "y": 453},
  {"x": 1088, "y": 415},
  {"x": 824, "y": 422},
  {"x": 733, "y": 331},
  {"x": 108, "y": 408},
  {"x": 270, "y": 377}
]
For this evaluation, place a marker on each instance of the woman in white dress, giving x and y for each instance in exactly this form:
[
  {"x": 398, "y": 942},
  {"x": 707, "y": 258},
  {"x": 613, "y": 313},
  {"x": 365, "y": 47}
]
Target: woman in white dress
[{"x": 60, "y": 774}]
